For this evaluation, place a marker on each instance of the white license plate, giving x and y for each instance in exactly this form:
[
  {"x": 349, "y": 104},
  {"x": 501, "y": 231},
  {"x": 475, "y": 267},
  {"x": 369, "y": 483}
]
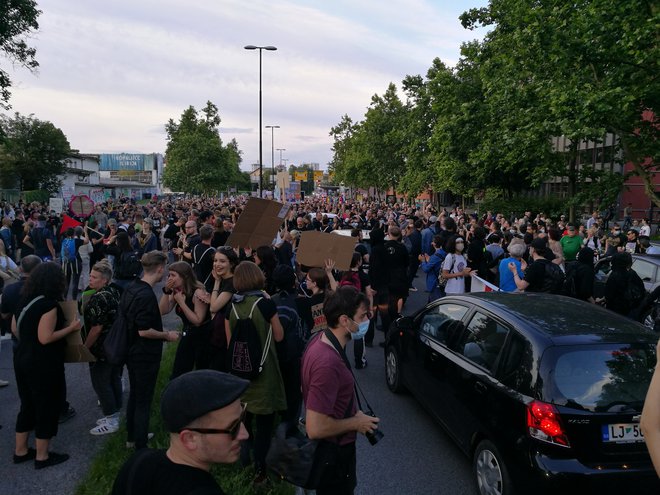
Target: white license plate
[{"x": 622, "y": 433}]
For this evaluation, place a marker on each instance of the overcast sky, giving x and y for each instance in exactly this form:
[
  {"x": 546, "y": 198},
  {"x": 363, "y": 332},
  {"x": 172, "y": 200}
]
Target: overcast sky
[{"x": 113, "y": 72}]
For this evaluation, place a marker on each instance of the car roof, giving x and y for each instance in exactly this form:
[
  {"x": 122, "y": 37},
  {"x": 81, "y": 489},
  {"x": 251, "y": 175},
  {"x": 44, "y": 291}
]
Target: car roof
[
  {"x": 651, "y": 258},
  {"x": 563, "y": 320}
]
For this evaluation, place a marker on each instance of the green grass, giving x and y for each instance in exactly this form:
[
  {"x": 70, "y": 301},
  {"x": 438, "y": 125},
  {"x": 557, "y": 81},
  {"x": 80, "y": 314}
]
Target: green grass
[{"x": 103, "y": 470}]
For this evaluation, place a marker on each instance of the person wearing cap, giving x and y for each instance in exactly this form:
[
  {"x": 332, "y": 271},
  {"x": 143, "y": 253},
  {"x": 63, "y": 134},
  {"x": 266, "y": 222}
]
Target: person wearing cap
[
  {"x": 427, "y": 235},
  {"x": 571, "y": 243},
  {"x": 203, "y": 414},
  {"x": 538, "y": 275}
]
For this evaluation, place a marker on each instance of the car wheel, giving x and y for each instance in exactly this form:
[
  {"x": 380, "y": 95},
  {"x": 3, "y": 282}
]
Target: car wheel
[
  {"x": 490, "y": 472},
  {"x": 393, "y": 369}
]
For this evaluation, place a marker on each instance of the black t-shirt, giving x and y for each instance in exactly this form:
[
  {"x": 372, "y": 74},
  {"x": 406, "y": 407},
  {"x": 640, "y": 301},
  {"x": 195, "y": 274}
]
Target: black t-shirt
[
  {"x": 203, "y": 264},
  {"x": 153, "y": 473},
  {"x": 140, "y": 306},
  {"x": 535, "y": 275}
]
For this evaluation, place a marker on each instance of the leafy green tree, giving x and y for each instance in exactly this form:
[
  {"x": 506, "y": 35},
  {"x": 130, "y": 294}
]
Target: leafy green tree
[
  {"x": 32, "y": 153},
  {"x": 590, "y": 65},
  {"x": 197, "y": 161},
  {"x": 18, "y": 19}
]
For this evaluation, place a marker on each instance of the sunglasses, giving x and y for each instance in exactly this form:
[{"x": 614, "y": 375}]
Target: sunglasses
[{"x": 232, "y": 431}]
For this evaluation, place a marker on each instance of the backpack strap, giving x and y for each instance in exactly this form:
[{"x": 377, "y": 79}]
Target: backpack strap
[
  {"x": 202, "y": 256},
  {"x": 269, "y": 337},
  {"x": 25, "y": 309}
]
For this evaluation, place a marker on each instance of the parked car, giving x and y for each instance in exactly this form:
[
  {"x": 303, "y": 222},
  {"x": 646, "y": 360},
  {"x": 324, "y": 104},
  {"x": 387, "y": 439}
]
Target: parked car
[
  {"x": 648, "y": 269},
  {"x": 541, "y": 391}
]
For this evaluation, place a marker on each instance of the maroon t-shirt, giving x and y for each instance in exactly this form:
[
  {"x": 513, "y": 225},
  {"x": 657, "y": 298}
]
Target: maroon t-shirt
[{"x": 327, "y": 384}]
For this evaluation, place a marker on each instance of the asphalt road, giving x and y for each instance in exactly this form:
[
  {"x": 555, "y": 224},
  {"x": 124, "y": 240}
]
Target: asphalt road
[{"x": 415, "y": 456}]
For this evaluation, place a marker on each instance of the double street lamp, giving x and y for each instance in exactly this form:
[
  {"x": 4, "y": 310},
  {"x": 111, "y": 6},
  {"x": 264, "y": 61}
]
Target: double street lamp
[
  {"x": 272, "y": 152},
  {"x": 261, "y": 171},
  {"x": 280, "y": 150}
]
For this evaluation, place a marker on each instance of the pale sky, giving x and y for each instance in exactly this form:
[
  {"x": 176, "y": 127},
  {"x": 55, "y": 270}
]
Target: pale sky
[{"x": 113, "y": 72}]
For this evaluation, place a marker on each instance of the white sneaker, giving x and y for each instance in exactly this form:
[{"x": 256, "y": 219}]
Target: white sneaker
[
  {"x": 4, "y": 383},
  {"x": 105, "y": 428}
]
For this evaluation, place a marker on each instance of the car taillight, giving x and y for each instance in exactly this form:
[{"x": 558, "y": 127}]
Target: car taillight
[{"x": 544, "y": 423}]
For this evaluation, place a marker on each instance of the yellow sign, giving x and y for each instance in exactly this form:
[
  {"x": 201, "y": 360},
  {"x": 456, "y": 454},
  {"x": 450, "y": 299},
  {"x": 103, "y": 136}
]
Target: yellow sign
[
  {"x": 318, "y": 175},
  {"x": 300, "y": 176},
  {"x": 331, "y": 175}
]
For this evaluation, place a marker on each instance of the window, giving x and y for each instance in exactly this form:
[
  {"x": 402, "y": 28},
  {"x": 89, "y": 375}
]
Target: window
[
  {"x": 443, "y": 323},
  {"x": 484, "y": 340},
  {"x": 644, "y": 269}
]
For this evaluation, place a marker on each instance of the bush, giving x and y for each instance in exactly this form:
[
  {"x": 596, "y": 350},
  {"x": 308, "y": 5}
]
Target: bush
[{"x": 517, "y": 206}]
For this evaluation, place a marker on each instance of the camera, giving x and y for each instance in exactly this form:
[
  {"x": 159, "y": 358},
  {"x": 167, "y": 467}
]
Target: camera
[{"x": 373, "y": 436}]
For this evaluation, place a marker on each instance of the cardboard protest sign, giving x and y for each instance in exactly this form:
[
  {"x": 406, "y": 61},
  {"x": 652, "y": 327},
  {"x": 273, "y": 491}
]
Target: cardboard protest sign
[
  {"x": 316, "y": 247},
  {"x": 75, "y": 351},
  {"x": 258, "y": 224}
]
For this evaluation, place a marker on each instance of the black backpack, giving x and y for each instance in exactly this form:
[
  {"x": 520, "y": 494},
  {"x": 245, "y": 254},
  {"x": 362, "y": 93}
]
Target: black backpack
[
  {"x": 121, "y": 334},
  {"x": 569, "y": 287},
  {"x": 293, "y": 344},
  {"x": 245, "y": 357},
  {"x": 553, "y": 282},
  {"x": 128, "y": 266}
]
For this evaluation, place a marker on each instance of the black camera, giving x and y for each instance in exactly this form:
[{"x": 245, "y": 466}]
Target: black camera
[{"x": 373, "y": 436}]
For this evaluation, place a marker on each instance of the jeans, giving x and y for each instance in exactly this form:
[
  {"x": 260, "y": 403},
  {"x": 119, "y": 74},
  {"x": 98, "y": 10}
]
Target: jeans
[
  {"x": 260, "y": 441},
  {"x": 142, "y": 376},
  {"x": 106, "y": 380}
]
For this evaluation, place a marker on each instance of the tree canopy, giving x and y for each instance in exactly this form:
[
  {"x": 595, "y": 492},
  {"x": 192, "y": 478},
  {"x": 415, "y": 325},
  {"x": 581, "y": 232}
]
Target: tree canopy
[
  {"x": 196, "y": 159},
  {"x": 18, "y": 19},
  {"x": 32, "y": 153}
]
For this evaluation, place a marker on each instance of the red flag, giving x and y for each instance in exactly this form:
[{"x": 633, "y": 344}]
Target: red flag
[{"x": 69, "y": 222}]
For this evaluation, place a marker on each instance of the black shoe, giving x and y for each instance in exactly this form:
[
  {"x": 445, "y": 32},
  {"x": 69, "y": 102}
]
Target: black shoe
[
  {"x": 53, "y": 459},
  {"x": 382, "y": 344},
  {"x": 369, "y": 344},
  {"x": 67, "y": 415},
  {"x": 361, "y": 366},
  {"x": 31, "y": 454}
]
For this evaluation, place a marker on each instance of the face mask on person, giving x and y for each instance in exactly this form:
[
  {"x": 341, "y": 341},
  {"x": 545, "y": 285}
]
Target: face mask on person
[
  {"x": 361, "y": 331},
  {"x": 617, "y": 232},
  {"x": 459, "y": 247}
]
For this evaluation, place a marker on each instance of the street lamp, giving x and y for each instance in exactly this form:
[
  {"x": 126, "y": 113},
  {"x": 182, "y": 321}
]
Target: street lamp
[
  {"x": 272, "y": 153},
  {"x": 280, "y": 150},
  {"x": 261, "y": 162}
]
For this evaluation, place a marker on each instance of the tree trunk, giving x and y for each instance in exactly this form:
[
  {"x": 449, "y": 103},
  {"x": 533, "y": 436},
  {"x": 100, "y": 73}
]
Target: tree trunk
[{"x": 572, "y": 180}]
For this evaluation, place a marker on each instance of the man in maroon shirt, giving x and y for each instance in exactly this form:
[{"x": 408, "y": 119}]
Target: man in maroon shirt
[{"x": 328, "y": 389}]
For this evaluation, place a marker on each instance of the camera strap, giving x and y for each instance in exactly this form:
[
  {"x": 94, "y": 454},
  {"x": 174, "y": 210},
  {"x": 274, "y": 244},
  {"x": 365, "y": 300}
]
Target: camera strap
[{"x": 342, "y": 352}]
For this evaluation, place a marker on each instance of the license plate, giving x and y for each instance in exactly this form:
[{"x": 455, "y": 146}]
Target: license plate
[{"x": 622, "y": 433}]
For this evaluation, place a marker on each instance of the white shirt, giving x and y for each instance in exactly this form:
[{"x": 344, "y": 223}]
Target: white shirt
[
  {"x": 454, "y": 263},
  {"x": 645, "y": 230}
]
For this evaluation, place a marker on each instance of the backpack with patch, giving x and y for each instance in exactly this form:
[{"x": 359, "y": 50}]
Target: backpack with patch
[
  {"x": 293, "y": 344},
  {"x": 351, "y": 278},
  {"x": 553, "y": 281},
  {"x": 245, "y": 356},
  {"x": 128, "y": 266},
  {"x": 68, "y": 251},
  {"x": 121, "y": 334}
]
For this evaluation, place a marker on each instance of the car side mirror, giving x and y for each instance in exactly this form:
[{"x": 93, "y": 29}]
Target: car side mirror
[{"x": 405, "y": 323}]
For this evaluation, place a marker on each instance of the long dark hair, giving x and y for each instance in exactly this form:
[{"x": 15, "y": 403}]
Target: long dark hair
[{"x": 47, "y": 279}]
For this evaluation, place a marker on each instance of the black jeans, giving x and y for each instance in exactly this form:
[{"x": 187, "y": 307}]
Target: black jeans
[
  {"x": 142, "y": 376},
  {"x": 193, "y": 350},
  {"x": 259, "y": 443},
  {"x": 106, "y": 380}
]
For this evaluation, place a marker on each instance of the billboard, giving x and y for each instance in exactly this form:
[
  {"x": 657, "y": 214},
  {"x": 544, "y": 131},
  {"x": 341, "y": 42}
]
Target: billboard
[{"x": 126, "y": 161}]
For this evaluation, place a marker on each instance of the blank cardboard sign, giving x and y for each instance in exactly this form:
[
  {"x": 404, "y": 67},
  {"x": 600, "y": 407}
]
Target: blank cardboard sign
[
  {"x": 258, "y": 224},
  {"x": 316, "y": 247}
]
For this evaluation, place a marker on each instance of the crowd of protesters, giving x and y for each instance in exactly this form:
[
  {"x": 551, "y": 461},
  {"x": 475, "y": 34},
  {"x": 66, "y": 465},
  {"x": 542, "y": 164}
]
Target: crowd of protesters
[{"x": 122, "y": 250}]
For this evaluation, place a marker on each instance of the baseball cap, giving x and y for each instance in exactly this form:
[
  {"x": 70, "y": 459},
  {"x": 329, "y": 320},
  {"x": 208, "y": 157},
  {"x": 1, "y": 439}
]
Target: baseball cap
[
  {"x": 539, "y": 244},
  {"x": 433, "y": 219},
  {"x": 196, "y": 393}
]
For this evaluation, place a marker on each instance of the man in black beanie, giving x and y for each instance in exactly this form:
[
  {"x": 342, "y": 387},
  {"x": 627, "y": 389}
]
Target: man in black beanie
[{"x": 203, "y": 413}]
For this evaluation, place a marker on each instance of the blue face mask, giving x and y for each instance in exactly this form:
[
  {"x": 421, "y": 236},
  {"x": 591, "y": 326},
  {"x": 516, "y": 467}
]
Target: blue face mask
[{"x": 361, "y": 331}]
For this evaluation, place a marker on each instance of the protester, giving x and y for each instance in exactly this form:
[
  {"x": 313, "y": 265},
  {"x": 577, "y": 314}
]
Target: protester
[
  {"x": 516, "y": 251},
  {"x": 203, "y": 414},
  {"x": 225, "y": 261},
  {"x": 432, "y": 266},
  {"x": 454, "y": 267},
  {"x": 139, "y": 305},
  {"x": 99, "y": 313},
  {"x": 39, "y": 326},
  {"x": 328, "y": 390},
  {"x": 187, "y": 296}
]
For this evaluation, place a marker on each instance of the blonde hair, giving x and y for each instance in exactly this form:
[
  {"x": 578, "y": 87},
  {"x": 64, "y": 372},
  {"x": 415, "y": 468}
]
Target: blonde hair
[{"x": 104, "y": 268}]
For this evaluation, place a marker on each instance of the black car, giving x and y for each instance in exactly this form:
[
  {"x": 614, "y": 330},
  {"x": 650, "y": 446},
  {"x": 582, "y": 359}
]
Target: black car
[{"x": 541, "y": 391}]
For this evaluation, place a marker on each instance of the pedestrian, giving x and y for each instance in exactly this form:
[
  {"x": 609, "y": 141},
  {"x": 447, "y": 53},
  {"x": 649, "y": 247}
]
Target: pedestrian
[
  {"x": 516, "y": 251},
  {"x": 187, "y": 296},
  {"x": 432, "y": 266},
  {"x": 265, "y": 395},
  {"x": 454, "y": 267},
  {"x": 328, "y": 387},
  {"x": 541, "y": 275},
  {"x": 203, "y": 414},
  {"x": 624, "y": 289},
  {"x": 39, "y": 326},
  {"x": 99, "y": 312},
  {"x": 139, "y": 305}
]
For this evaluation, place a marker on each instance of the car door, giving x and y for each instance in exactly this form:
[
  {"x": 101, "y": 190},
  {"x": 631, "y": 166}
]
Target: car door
[
  {"x": 470, "y": 382},
  {"x": 437, "y": 328},
  {"x": 646, "y": 271}
]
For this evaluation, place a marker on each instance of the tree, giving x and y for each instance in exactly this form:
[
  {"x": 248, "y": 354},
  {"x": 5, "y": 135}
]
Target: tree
[
  {"x": 197, "y": 161},
  {"x": 18, "y": 18},
  {"x": 32, "y": 153},
  {"x": 592, "y": 65}
]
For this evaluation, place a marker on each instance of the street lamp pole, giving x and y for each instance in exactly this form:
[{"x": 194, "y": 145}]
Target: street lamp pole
[
  {"x": 261, "y": 161},
  {"x": 272, "y": 153},
  {"x": 280, "y": 150}
]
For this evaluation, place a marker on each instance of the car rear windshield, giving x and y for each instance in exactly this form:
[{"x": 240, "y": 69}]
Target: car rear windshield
[{"x": 603, "y": 378}]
